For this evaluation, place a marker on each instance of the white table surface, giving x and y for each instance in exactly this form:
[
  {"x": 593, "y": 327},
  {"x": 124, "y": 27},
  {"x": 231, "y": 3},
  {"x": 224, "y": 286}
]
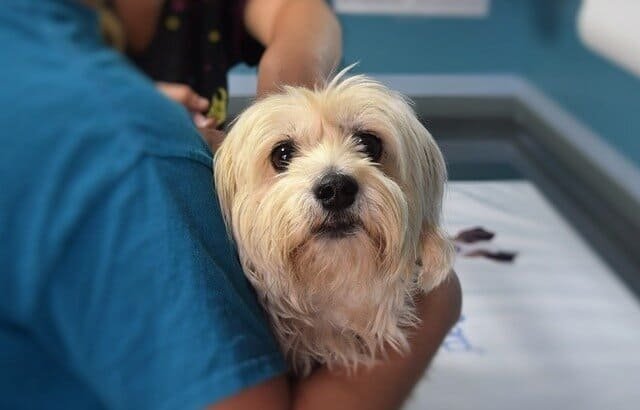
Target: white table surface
[{"x": 556, "y": 329}]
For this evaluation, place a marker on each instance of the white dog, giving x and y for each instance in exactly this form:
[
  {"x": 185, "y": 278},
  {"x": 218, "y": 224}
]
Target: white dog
[{"x": 333, "y": 197}]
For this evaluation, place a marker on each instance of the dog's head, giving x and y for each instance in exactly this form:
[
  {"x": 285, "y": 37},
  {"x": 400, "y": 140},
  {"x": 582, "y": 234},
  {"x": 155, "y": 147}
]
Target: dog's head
[{"x": 338, "y": 185}]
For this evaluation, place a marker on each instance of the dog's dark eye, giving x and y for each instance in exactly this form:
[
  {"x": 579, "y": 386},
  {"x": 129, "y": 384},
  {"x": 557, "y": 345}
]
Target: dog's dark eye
[
  {"x": 282, "y": 155},
  {"x": 369, "y": 144}
]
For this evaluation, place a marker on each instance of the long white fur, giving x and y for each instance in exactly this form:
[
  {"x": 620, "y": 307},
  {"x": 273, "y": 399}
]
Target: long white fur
[{"x": 339, "y": 301}]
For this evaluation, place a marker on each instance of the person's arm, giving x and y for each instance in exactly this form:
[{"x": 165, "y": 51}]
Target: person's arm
[
  {"x": 302, "y": 39},
  {"x": 385, "y": 386}
]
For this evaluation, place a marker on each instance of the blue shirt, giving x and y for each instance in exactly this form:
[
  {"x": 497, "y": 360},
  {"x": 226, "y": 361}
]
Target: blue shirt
[{"x": 119, "y": 287}]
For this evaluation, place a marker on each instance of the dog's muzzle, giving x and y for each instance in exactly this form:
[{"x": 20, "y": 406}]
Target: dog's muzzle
[{"x": 336, "y": 192}]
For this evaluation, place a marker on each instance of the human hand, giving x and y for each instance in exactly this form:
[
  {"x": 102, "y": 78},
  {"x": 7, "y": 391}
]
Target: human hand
[{"x": 196, "y": 105}]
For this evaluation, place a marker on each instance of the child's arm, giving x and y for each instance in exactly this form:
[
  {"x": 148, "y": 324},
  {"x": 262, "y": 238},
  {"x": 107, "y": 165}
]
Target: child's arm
[{"x": 303, "y": 41}]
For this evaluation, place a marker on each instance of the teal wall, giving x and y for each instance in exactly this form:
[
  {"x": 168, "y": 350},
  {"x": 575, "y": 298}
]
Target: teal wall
[{"x": 533, "y": 38}]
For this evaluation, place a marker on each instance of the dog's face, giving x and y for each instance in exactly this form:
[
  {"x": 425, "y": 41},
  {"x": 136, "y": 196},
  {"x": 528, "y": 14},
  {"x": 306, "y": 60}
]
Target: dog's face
[{"x": 333, "y": 189}]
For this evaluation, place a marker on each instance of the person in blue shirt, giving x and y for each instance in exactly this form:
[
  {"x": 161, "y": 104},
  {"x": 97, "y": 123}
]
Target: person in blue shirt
[{"x": 119, "y": 288}]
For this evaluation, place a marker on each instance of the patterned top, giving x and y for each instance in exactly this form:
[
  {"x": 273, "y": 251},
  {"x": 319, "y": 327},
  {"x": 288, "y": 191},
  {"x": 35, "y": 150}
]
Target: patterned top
[{"x": 196, "y": 43}]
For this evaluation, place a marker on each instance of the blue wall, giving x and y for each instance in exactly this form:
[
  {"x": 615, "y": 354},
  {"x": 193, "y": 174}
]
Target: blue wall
[{"x": 533, "y": 38}]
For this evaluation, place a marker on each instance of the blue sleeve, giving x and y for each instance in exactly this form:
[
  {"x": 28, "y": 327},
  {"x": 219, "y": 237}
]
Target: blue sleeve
[{"x": 153, "y": 310}]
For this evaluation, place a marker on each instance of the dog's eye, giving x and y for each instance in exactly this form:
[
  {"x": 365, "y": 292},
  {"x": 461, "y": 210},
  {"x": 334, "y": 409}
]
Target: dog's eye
[
  {"x": 282, "y": 155},
  {"x": 369, "y": 144}
]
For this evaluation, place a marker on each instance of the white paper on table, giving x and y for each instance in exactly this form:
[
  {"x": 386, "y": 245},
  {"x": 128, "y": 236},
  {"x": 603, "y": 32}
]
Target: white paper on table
[{"x": 554, "y": 330}]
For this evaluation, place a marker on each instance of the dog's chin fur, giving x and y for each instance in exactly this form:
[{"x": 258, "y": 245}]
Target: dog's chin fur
[
  {"x": 338, "y": 289},
  {"x": 337, "y": 307}
]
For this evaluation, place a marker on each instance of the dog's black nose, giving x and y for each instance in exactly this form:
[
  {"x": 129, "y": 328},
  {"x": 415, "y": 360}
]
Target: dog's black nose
[{"x": 336, "y": 191}]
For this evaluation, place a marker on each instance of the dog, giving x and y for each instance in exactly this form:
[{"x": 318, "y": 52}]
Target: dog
[{"x": 333, "y": 197}]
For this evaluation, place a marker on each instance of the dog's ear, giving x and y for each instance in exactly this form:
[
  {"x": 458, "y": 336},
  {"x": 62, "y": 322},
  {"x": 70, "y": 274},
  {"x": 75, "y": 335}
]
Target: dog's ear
[
  {"x": 436, "y": 259},
  {"x": 225, "y": 180},
  {"x": 428, "y": 173}
]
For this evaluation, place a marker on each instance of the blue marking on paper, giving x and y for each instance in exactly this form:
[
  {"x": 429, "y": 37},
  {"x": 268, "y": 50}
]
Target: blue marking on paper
[{"x": 458, "y": 341}]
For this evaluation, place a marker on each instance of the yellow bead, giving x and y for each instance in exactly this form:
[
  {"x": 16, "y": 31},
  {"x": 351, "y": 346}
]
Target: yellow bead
[
  {"x": 172, "y": 23},
  {"x": 214, "y": 36}
]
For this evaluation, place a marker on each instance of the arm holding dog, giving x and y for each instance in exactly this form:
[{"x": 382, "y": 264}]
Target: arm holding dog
[
  {"x": 388, "y": 384},
  {"x": 385, "y": 386}
]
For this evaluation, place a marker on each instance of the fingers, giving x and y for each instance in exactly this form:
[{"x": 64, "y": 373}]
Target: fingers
[
  {"x": 196, "y": 104},
  {"x": 184, "y": 95},
  {"x": 204, "y": 122}
]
